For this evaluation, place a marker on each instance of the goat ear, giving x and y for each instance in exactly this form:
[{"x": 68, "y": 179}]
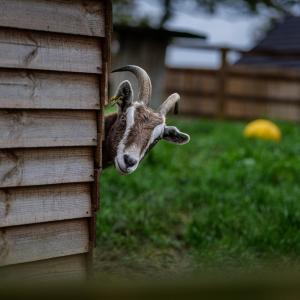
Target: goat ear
[
  {"x": 173, "y": 135},
  {"x": 124, "y": 95}
]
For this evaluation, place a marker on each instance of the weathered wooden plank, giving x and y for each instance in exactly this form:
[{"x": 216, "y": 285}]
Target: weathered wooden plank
[
  {"x": 43, "y": 241},
  {"x": 33, "y": 89},
  {"x": 57, "y": 52},
  {"x": 64, "y": 16},
  {"x": 32, "y": 205},
  {"x": 45, "y": 166},
  {"x": 56, "y": 269},
  {"x": 21, "y": 129}
]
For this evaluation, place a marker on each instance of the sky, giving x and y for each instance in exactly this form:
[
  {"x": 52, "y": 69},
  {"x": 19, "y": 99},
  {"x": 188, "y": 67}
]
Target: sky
[{"x": 225, "y": 28}]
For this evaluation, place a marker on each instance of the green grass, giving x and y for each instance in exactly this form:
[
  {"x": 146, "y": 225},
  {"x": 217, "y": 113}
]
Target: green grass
[{"x": 220, "y": 201}]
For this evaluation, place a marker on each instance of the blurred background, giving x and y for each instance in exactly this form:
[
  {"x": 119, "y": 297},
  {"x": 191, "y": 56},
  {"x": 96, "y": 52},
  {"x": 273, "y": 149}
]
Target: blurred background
[{"x": 223, "y": 202}]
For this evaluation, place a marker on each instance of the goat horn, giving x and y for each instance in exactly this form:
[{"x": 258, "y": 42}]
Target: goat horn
[
  {"x": 169, "y": 104},
  {"x": 144, "y": 81}
]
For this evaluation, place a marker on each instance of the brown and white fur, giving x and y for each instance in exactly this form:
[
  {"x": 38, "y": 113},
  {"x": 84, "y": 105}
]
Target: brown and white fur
[{"x": 135, "y": 128}]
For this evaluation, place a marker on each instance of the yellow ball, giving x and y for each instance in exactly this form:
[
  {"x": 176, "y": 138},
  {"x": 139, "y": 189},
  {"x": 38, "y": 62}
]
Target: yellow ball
[{"x": 262, "y": 129}]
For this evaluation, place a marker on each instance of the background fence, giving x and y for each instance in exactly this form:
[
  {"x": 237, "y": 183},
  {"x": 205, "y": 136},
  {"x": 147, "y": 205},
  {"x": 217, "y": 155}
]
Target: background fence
[{"x": 241, "y": 92}]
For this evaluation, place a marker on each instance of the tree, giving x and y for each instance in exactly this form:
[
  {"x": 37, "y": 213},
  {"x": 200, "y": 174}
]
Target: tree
[{"x": 125, "y": 10}]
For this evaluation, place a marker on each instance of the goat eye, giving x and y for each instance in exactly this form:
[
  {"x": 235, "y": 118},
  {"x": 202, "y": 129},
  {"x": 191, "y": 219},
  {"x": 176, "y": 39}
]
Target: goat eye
[{"x": 123, "y": 118}]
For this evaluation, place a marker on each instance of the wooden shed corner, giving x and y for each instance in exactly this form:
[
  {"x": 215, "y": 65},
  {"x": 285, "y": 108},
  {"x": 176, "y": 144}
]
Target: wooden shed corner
[{"x": 54, "y": 66}]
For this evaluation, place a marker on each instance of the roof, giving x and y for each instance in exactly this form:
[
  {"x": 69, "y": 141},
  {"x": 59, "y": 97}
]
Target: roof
[
  {"x": 156, "y": 32},
  {"x": 283, "y": 38}
]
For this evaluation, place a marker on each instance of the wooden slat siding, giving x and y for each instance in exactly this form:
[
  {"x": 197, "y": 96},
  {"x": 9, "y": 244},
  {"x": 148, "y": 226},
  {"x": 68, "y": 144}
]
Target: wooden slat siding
[
  {"x": 22, "y": 129},
  {"x": 43, "y": 241},
  {"x": 56, "y": 269},
  {"x": 64, "y": 16},
  {"x": 26, "y": 167},
  {"x": 44, "y": 90},
  {"x": 103, "y": 93},
  {"x": 56, "y": 52},
  {"x": 43, "y": 204},
  {"x": 42, "y": 68}
]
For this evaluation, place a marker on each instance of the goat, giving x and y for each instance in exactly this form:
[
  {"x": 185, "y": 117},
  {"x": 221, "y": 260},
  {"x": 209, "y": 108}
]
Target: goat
[{"x": 135, "y": 128}]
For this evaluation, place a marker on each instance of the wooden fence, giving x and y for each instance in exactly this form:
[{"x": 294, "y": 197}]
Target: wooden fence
[
  {"x": 54, "y": 58},
  {"x": 240, "y": 92}
]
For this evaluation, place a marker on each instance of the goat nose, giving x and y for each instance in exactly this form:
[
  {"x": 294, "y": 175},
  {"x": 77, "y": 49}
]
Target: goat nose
[{"x": 129, "y": 161}]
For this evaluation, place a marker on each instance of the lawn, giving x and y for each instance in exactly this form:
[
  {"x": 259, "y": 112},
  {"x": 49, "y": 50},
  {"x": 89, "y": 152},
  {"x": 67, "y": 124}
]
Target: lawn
[{"x": 220, "y": 202}]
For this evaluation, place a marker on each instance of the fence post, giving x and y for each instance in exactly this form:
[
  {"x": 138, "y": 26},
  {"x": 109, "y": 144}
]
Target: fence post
[{"x": 222, "y": 77}]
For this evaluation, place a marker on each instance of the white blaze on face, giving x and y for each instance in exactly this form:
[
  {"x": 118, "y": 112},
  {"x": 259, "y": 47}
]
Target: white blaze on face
[
  {"x": 119, "y": 160},
  {"x": 156, "y": 133},
  {"x": 134, "y": 150}
]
